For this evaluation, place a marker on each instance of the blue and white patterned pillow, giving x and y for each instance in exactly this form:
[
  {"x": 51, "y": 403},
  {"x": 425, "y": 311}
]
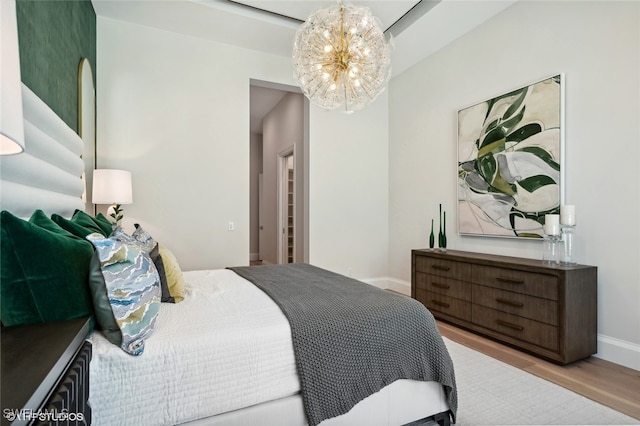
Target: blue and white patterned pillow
[
  {"x": 133, "y": 289},
  {"x": 151, "y": 247}
]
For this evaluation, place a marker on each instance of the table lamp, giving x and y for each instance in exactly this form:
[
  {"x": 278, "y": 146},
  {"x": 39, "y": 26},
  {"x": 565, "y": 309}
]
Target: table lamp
[
  {"x": 111, "y": 186},
  {"x": 11, "y": 121}
]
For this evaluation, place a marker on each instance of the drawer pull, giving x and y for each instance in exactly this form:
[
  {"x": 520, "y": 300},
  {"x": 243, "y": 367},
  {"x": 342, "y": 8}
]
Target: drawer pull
[
  {"x": 509, "y": 302},
  {"x": 439, "y": 303},
  {"x": 510, "y": 325},
  {"x": 440, "y": 267},
  {"x": 440, "y": 285},
  {"x": 509, "y": 280}
]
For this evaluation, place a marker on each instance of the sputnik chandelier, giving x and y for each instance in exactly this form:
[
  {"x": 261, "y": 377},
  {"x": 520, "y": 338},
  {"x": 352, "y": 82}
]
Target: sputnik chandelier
[{"x": 341, "y": 57}]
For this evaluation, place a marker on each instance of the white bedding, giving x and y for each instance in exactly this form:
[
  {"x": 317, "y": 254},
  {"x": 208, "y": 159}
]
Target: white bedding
[{"x": 225, "y": 347}]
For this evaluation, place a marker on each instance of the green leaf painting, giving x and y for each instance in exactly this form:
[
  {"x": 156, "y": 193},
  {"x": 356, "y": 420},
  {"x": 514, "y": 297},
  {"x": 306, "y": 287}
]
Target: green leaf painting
[{"x": 509, "y": 163}]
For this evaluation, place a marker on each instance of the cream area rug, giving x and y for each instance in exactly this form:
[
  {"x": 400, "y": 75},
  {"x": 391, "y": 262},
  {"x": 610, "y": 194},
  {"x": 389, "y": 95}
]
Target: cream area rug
[{"x": 491, "y": 392}]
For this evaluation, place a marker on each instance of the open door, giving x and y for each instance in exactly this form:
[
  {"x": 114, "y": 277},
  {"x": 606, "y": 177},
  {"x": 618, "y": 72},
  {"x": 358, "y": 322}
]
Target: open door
[{"x": 286, "y": 210}]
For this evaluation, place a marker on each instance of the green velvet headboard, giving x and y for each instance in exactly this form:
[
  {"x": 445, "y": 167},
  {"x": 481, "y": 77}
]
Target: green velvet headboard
[{"x": 53, "y": 37}]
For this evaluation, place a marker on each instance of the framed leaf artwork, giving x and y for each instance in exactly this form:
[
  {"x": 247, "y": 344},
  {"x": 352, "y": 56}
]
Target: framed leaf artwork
[{"x": 510, "y": 161}]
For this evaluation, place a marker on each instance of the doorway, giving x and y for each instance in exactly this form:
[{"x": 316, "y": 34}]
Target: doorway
[{"x": 279, "y": 153}]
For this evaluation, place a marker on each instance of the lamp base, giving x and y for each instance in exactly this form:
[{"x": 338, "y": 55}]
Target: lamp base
[{"x": 115, "y": 212}]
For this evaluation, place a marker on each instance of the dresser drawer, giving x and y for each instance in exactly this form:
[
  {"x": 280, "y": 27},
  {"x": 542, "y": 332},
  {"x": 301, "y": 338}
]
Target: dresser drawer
[
  {"x": 447, "y": 305},
  {"x": 548, "y": 310},
  {"x": 535, "y": 308},
  {"x": 443, "y": 268},
  {"x": 534, "y": 284},
  {"x": 442, "y": 285},
  {"x": 534, "y": 332}
]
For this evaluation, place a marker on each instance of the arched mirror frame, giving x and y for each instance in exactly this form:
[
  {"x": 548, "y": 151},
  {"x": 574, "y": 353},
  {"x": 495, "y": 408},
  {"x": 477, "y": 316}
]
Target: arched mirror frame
[{"x": 87, "y": 128}]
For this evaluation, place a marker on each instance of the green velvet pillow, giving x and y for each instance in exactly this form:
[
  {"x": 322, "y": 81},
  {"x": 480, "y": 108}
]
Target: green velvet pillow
[
  {"x": 41, "y": 219},
  {"x": 81, "y": 224},
  {"x": 43, "y": 272},
  {"x": 90, "y": 222},
  {"x": 104, "y": 223}
]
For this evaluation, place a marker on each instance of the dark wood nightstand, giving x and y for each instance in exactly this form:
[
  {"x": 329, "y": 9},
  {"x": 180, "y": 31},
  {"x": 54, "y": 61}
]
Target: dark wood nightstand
[{"x": 45, "y": 372}]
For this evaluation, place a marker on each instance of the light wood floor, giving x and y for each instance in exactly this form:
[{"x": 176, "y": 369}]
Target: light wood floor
[{"x": 610, "y": 384}]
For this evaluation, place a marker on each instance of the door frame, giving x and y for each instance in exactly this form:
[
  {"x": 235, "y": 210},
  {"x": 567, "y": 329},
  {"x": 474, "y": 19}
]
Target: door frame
[
  {"x": 260, "y": 216},
  {"x": 282, "y": 184}
]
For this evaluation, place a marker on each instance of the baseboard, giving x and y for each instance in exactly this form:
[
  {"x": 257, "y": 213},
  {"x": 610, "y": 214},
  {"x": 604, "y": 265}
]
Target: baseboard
[
  {"x": 388, "y": 283},
  {"x": 619, "y": 351}
]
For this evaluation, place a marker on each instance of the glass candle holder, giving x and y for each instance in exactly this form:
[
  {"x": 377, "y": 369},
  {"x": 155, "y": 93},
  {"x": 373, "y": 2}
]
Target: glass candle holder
[
  {"x": 567, "y": 238},
  {"x": 552, "y": 249}
]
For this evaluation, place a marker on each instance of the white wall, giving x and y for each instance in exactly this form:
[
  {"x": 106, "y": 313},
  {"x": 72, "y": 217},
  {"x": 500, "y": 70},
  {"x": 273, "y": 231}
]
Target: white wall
[
  {"x": 597, "y": 46},
  {"x": 348, "y": 183},
  {"x": 174, "y": 110}
]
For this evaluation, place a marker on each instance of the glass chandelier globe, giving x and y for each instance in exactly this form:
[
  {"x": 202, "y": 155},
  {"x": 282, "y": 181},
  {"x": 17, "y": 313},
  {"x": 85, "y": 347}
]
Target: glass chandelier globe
[{"x": 341, "y": 57}]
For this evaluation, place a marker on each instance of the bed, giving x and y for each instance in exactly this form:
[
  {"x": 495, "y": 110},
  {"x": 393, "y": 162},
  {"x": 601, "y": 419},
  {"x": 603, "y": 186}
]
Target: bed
[
  {"x": 225, "y": 347},
  {"x": 233, "y": 351}
]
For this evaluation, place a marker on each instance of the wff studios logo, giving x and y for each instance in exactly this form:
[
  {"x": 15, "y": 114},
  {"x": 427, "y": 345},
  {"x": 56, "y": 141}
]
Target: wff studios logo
[{"x": 43, "y": 416}]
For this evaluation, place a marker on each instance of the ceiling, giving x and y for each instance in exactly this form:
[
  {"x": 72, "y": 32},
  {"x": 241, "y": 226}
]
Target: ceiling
[
  {"x": 418, "y": 28},
  {"x": 388, "y": 12}
]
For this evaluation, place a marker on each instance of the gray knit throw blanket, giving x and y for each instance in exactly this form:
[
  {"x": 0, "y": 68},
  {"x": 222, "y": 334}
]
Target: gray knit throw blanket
[{"x": 351, "y": 339}]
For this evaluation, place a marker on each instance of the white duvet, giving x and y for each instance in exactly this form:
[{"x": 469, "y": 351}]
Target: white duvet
[{"x": 225, "y": 347}]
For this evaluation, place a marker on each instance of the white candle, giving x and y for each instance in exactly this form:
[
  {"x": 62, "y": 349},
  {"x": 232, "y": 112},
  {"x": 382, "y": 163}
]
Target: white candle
[
  {"x": 568, "y": 215},
  {"x": 551, "y": 224}
]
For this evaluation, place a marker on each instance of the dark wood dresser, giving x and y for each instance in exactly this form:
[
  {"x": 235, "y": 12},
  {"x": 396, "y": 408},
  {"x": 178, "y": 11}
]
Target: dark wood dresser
[
  {"x": 45, "y": 374},
  {"x": 549, "y": 311}
]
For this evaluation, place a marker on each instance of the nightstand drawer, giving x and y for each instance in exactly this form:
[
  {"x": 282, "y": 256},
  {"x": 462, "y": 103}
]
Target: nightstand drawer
[
  {"x": 534, "y": 284},
  {"x": 445, "y": 304},
  {"x": 442, "y": 285},
  {"x": 534, "y": 332},
  {"x": 535, "y": 308},
  {"x": 443, "y": 268}
]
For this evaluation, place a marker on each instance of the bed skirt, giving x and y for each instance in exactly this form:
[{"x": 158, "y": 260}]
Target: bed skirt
[{"x": 401, "y": 402}]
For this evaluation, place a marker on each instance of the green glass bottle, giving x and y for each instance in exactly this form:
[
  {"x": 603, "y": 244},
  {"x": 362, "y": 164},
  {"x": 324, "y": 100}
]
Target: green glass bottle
[
  {"x": 441, "y": 241},
  {"x": 432, "y": 238},
  {"x": 444, "y": 231}
]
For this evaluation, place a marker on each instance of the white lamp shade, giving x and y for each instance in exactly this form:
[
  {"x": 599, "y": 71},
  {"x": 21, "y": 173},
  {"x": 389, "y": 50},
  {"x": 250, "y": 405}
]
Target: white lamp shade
[
  {"x": 111, "y": 186},
  {"x": 11, "y": 121}
]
